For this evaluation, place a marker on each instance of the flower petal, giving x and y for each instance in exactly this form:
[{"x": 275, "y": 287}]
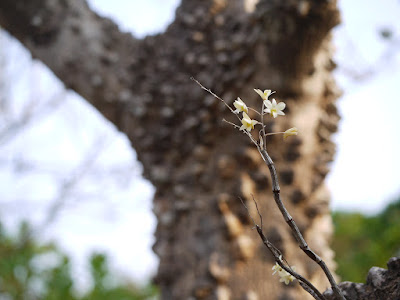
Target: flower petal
[
  {"x": 240, "y": 106},
  {"x": 267, "y": 93},
  {"x": 268, "y": 104},
  {"x": 267, "y": 111},
  {"x": 281, "y": 105},
  {"x": 260, "y": 93},
  {"x": 286, "y": 134}
]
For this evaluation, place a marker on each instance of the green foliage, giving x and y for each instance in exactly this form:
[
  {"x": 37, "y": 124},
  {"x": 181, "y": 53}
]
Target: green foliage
[
  {"x": 30, "y": 271},
  {"x": 105, "y": 289},
  {"x": 361, "y": 242}
]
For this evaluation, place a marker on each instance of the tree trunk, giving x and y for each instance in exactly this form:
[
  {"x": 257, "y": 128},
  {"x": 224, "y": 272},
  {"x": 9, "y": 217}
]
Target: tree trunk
[{"x": 198, "y": 164}]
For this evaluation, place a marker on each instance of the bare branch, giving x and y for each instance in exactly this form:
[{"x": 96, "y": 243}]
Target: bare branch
[
  {"x": 293, "y": 226},
  {"x": 288, "y": 218},
  {"x": 304, "y": 283},
  {"x": 215, "y": 95}
]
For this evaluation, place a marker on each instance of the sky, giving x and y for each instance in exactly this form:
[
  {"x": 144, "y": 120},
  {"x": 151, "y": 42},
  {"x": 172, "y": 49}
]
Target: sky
[
  {"x": 366, "y": 173},
  {"x": 66, "y": 140},
  {"x": 62, "y": 140}
]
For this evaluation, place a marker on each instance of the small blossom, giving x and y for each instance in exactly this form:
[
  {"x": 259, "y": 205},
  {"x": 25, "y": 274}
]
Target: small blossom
[
  {"x": 277, "y": 268},
  {"x": 240, "y": 106},
  {"x": 290, "y": 132},
  {"x": 285, "y": 276},
  {"x": 264, "y": 95},
  {"x": 274, "y": 108},
  {"x": 248, "y": 123}
]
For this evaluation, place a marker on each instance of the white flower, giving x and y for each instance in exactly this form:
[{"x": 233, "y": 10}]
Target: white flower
[
  {"x": 290, "y": 132},
  {"x": 240, "y": 106},
  {"x": 274, "y": 108},
  {"x": 264, "y": 95},
  {"x": 285, "y": 276},
  {"x": 277, "y": 268},
  {"x": 248, "y": 123}
]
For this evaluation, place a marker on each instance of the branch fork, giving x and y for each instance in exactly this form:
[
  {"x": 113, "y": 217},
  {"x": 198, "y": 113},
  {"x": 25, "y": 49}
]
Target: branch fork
[{"x": 275, "y": 109}]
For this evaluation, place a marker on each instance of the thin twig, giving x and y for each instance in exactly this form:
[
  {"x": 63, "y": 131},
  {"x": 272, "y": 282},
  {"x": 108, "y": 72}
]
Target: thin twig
[
  {"x": 230, "y": 123},
  {"x": 243, "y": 131},
  {"x": 230, "y": 108},
  {"x": 215, "y": 95},
  {"x": 263, "y": 137},
  {"x": 258, "y": 211},
  {"x": 304, "y": 283},
  {"x": 256, "y": 111},
  {"x": 293, "y": 226}
]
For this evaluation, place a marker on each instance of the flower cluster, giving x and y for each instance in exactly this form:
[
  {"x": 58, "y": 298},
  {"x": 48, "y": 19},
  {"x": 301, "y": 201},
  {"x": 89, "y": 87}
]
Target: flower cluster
[
  {"x": 269, "y": 107},
  {"x": 283, "y": 274}
]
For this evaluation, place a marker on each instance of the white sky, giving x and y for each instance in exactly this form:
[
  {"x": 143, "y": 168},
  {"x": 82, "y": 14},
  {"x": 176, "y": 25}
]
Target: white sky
[
  {"x": 364, "y": 177},
  {"x": 366, "y": 173}
]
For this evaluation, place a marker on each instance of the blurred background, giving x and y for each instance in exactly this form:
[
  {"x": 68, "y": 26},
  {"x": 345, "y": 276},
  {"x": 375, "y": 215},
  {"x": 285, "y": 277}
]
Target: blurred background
[{"x": 70, "y": 208}]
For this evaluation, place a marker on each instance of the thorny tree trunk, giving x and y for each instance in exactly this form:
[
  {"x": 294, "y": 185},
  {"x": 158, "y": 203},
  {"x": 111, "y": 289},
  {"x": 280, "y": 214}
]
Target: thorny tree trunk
[{"x": 198, "y": 164}]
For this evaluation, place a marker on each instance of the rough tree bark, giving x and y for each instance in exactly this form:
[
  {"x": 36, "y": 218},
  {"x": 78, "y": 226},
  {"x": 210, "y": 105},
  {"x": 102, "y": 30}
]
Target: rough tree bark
[
  {"x": 380, "y": 284},
  {"x": 198, "y": 164}
]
